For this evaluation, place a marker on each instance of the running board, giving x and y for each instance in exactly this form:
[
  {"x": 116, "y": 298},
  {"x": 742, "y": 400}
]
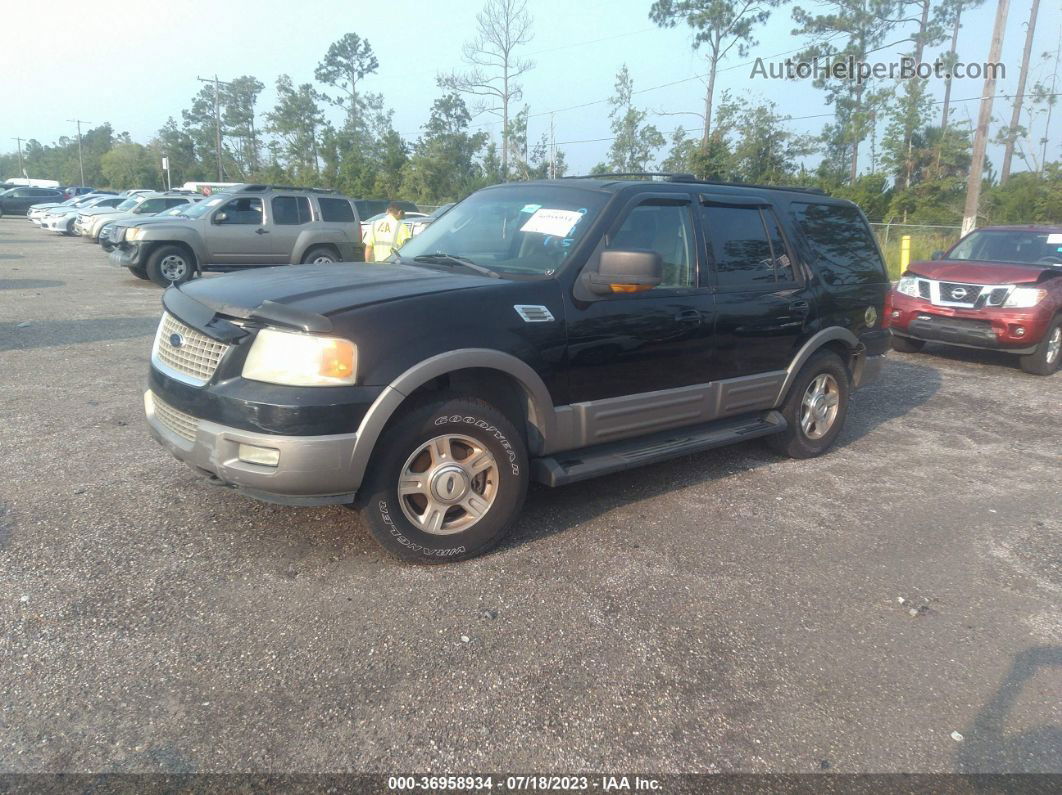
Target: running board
[{"x": 604, "y": 459}]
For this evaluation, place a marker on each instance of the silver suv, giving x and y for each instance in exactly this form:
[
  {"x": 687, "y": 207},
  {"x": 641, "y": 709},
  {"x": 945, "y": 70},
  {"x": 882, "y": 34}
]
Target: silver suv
[{"x": 246, "y": 227}]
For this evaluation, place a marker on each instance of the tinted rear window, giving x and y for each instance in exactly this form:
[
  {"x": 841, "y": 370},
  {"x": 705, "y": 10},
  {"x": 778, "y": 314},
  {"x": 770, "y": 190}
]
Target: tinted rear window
[
  {"x": 843, "y": 251},
  {"x": 336, "y": 210}
]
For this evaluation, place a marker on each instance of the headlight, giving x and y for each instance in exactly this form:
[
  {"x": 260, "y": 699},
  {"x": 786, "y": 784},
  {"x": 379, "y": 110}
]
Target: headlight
[
  {"x": 294, "y": 359},
  {"x": 133, "y": 235},
  {"x": 908, "y": 285},
  {"x": 1025, "y": 297}
]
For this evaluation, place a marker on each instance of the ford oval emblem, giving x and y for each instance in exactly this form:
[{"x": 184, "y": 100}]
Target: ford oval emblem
[{"x": 176, "y": 340}]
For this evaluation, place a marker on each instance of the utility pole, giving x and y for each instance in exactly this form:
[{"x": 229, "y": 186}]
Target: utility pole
[
  {"x": 21, "y": 168},
  {"x": 80, "y": 159},
  {"x": 977, "y": 164},
  {"x": 1015, "y": 118},
  {"x": 552, "y": 149},
  {"x": 217, "y": 118},
  {"x": 1050, "y": 106}
]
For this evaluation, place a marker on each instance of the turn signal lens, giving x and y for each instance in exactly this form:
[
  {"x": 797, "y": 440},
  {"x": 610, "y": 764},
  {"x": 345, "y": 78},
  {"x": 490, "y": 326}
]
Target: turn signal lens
[{"x": 630, "y": 288}]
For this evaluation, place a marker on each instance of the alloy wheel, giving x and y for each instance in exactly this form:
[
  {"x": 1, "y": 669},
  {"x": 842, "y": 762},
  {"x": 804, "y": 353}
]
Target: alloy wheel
[
  {"x": 818, "y": 409},
  {"x": 448, "y": 484}
]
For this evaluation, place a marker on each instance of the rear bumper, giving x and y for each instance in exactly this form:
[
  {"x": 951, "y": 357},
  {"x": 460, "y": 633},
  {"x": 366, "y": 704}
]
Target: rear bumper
[
  {"x": 1010, "y": 330},
  {"x": 311, "y": 470}
]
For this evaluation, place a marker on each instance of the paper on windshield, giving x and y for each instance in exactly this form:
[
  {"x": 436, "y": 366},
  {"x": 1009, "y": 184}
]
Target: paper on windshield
[
  {"x": 1054, "y": 239},
  {"x": 552, "y": 222}
]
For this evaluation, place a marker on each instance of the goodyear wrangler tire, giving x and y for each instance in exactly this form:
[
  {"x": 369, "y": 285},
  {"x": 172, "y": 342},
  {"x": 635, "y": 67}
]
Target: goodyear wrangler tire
[{"x": 446, "y": 482}]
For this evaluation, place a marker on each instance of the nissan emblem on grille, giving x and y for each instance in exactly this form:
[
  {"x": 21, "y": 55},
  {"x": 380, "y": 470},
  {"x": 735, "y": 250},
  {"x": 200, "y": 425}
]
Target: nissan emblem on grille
[{"x": 958, "y": 293}]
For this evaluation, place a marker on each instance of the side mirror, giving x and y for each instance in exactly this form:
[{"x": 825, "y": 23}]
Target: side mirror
[
  {"x": 221, "y": 218},
  {"x": 937, "y": 255},
  {"x": 626, "y": 272}
]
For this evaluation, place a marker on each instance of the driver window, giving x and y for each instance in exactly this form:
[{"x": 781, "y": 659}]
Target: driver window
[
  {"x": 246, "y": 210},
  {"x": 667, "y": 230}
]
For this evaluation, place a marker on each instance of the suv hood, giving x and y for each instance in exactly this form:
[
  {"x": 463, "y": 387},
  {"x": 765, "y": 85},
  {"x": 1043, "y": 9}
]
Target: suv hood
[
  {"x": 321, "y": 290},
  {"x": 976, "y": 272}
]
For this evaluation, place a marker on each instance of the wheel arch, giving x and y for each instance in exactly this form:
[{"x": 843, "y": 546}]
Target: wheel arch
[
  {"x": 839, "y": 340},
  {"x": 464, "y": 367}
]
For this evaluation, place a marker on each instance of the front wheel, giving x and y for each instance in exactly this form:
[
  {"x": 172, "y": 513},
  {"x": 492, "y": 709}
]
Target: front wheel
[
  {"x": 446, "y": 482},
  {"x": 170, "y": 265},
  {"x": 1044, "y": 360},
  {"x": 815, "y": 408},
  {"x": 139, "y": 272}
]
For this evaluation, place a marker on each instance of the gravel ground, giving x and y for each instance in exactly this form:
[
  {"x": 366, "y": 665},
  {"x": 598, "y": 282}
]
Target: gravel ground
[{"x": 729, "y": 611}]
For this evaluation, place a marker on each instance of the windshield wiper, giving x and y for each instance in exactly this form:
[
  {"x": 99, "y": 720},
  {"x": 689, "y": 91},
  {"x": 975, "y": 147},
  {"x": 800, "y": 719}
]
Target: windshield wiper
[{"x": 441, "y": 258}]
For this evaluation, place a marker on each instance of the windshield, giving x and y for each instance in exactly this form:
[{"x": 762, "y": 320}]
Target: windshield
[
  {"x": 1019, "y": 246},
  {"x": 202, "y": 208},
  {"x": 129, "y": 203},
  {"x": 518, "y": 229}
]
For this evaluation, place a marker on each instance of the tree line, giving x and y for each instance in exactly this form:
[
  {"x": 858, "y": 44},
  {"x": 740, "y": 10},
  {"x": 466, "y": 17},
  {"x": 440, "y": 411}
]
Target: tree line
[{"x": 885, "y": 144}]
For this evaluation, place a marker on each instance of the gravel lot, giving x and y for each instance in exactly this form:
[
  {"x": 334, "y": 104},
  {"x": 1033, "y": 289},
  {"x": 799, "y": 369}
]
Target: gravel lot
[{"x": 726, "y": 611}]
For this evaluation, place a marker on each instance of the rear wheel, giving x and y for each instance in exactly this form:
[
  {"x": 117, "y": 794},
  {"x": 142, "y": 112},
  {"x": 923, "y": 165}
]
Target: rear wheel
[
  {"x": 446, "y": 482},
  {"x": 815, "y": 409},
  {"x": 1044, "y": 360},
  {"x": 170, "y": 265},
  {"x": 320, "y": 255},
  {"x": 906, "y": 344}
]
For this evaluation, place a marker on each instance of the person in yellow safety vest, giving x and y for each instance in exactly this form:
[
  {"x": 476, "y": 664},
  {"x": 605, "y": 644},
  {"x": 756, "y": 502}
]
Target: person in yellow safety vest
[{"x": 387, "y": 235}]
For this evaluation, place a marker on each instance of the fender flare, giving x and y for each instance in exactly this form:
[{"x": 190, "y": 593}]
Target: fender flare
[
  {"x": 809, "y": 348},
  {"x": 540, "y": 411}
]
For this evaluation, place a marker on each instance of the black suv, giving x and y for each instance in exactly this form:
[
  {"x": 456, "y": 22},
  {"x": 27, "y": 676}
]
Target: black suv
[{"x": 549, "y": 331}]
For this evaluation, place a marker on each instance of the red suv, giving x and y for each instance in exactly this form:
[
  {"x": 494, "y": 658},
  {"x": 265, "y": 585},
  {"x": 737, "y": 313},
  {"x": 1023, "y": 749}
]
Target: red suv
[{"x": 998, "y": 288}]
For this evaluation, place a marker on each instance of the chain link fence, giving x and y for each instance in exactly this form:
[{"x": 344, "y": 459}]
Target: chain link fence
[{"x": 925, "y": 239}]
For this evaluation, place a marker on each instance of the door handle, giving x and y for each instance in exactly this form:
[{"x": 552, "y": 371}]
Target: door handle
[
  {"x": 800, "y": 306},
  {"x": 261, "y": 231},
  {"x": 688, "y": 316}
]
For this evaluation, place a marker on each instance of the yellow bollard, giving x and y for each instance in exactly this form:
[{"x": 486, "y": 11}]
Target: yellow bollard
[{"x": 905, "y": 252}]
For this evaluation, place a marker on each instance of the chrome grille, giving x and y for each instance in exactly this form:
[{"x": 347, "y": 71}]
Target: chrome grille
[
  {"x": 962, "y": 294},
  {"x": 184, "y": 425},
  {"x": 194, "y": 360},
  {"x": 957, "y": 293}
]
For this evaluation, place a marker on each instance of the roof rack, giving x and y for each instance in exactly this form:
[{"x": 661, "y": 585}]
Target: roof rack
[
  {"x": 256, "y": 188},
  {"x": 690, "y": 179}
]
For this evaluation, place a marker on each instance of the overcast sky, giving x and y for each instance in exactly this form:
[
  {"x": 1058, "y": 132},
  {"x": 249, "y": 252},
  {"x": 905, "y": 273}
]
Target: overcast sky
[{"x": 136, "y": 64}]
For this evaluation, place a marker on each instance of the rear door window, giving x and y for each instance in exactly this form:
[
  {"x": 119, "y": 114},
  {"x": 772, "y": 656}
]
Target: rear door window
[
  {"x": 842, "y": 249},
  {"x": 290, "y": 210},
  {"x": 747, "y": 248}
]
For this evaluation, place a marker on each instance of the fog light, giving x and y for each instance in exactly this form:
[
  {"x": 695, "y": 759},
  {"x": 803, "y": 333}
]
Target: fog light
[
  {"x": 252, "y": 454},
  {"x": 896, "y": 313},
  {"x": 1019, "y": 331}
]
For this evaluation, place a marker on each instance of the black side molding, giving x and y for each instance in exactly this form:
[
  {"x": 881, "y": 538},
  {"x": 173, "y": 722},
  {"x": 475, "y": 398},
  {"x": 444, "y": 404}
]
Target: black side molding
[{"x": 294, "y": 317}]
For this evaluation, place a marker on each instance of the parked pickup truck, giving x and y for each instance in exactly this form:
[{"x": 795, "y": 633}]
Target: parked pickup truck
[
  {"x": 999, "y": 288},
  {"x": 247, "y": 227},
  {"x": 550, "y": 331}
]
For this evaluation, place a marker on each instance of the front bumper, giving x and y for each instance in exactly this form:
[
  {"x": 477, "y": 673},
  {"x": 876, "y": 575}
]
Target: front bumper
[
  {"x": 57, "y": 224},
  {"x": 125, "y": 256},
  {"x": 991, "y": 328},
  {"x": 312, "y": 470}
]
